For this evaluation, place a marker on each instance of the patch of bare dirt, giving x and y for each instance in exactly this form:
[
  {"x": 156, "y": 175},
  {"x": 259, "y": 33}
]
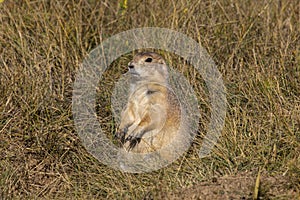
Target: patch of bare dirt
[{"x": 240, "y": 186}]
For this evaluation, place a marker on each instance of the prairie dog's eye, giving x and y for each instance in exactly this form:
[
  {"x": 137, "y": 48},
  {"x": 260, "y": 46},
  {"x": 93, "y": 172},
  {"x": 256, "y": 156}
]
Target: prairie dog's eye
[{"x": 148, "y": 60}]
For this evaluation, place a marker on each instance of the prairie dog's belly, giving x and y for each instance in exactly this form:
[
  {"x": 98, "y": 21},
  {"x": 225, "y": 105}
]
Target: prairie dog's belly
[
  {"x": 150, "y": 99},
  {"x": 154, "y": 99}
]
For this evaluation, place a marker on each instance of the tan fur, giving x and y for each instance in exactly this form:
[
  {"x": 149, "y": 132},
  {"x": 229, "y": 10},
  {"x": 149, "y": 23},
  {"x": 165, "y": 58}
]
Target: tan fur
[{"x": 151, "y": 118}]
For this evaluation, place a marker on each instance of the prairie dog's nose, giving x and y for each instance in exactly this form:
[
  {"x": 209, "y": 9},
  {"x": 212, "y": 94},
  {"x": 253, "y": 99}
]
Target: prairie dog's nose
[{"x": 130, "y": 65}]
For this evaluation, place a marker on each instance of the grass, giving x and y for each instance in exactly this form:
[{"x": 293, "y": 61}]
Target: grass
[{"x": 256, "y": 45}]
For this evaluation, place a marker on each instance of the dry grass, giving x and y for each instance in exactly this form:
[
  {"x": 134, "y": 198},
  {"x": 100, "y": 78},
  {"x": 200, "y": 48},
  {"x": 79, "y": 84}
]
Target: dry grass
[{"x": 256, "y": 45}]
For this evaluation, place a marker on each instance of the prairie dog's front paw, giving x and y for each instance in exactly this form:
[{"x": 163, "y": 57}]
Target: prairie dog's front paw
[
  {"x": 133, "y": 136},
  {"x": 120, "y": 134}
]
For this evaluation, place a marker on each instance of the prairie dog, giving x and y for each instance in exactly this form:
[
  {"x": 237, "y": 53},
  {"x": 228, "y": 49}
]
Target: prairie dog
[{"x": 151, "y": 118}]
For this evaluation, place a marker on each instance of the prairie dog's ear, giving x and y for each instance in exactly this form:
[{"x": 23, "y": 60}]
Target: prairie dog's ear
[
  {"x": 161, "y": 61},
  {"x": 164, "y": 70}
]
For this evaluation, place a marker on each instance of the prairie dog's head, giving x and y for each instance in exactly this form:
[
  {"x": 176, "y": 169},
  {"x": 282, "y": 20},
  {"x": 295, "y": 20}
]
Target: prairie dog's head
[{"x": 148, "y": 66}]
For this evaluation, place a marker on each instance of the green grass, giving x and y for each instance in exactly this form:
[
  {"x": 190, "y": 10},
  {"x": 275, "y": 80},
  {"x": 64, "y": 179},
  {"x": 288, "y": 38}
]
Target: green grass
[{"x": 256, "y": 45}]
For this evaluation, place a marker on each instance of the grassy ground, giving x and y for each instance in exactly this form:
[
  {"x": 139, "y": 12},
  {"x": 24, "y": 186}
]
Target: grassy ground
[{"x": 256, "y": 45}]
